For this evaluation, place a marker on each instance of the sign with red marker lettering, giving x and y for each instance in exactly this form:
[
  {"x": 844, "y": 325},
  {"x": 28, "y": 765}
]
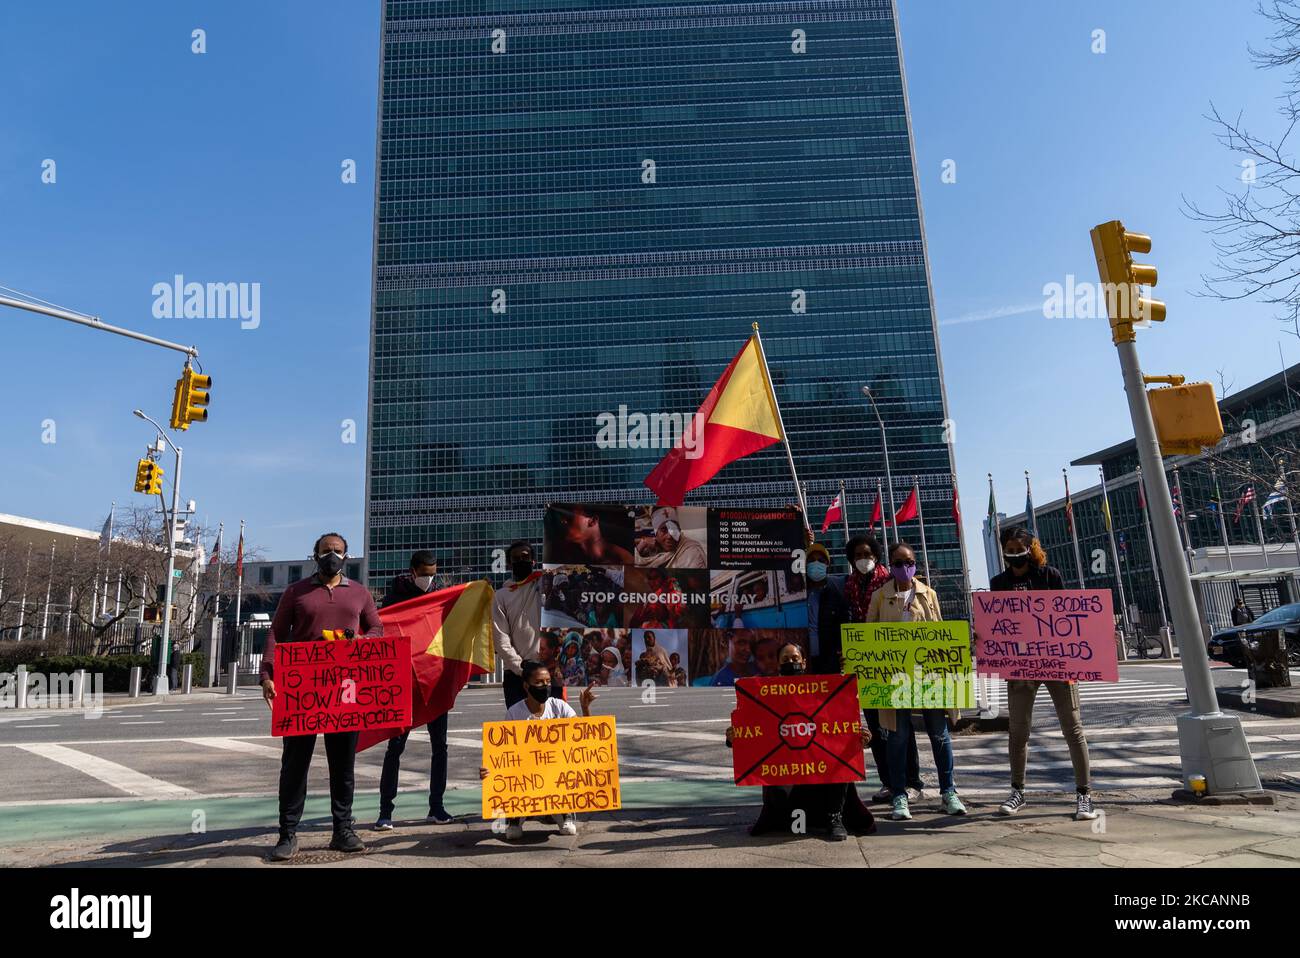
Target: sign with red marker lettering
[
  {"x": 1053, "y": 635},
  {"x": 797, "y": 730},
  {"x": 342, "y": 686}
]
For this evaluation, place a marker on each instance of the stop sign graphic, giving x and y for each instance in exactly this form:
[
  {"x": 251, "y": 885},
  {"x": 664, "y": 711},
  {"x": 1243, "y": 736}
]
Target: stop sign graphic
[{"x": 797, "y": 730}]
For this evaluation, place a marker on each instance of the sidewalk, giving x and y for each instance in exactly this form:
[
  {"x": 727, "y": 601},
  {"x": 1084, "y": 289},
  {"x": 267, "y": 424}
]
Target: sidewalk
[{"x": 1141, "y": 828}]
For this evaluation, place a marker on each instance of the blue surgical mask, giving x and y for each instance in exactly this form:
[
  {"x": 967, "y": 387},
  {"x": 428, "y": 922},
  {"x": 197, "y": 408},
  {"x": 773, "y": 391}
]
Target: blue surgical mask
[{"x": 817, "y": 571}]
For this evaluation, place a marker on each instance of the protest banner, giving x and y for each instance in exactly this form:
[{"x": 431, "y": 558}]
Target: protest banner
[
  {"x": 550, "y": 767},
  {"x": 1057, "y": 635},
  {"x": 342, "y": 686},
  {"x": 797, "y": 730},
  {"x": 669, "y": 595},
  {"x": 910, "y": 664}
]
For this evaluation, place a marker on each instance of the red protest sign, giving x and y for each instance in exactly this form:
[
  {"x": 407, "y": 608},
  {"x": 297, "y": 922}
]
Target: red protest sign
[
  {"x": 343, "y": 686},
  {"x": 800, "y": 730}
]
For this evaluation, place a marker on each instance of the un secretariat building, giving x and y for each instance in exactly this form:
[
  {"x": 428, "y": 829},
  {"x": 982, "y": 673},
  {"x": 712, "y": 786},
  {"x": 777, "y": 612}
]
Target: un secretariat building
[{"x": 585, "y": 204}]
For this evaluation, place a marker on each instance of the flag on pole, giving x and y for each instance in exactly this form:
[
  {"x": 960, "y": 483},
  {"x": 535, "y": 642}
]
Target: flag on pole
[
  {"x": 1069, "y": 508},
  {"x": 739, "y": 417},
  {"x": 834, "y": 513},
  {"x": 239, "y": 555},
  {"x": 877, "y": 513},
  {"x": 1142, "y": 498},
  {"x": 451, "y": 642},
  {"x": 1246, "y": 499},
  {"x": 909, "y": 510},
  {"x": 1105, "y": 510},
  {"x": 1030, "y": 522},
  {"x": 1277, "y": 496},
  {"x": 956, "y": 507},
  {"x": 106, "y": 533}
]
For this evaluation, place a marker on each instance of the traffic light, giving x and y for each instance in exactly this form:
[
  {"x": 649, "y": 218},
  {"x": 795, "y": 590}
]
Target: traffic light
[
  {"x": 189, "y": 404},
  {"x": 1186, "y": 418},
  {"x": 142, "y": 474},
  {"x": 1121, "y": 277},
  {"x": 153, "y": 478}
]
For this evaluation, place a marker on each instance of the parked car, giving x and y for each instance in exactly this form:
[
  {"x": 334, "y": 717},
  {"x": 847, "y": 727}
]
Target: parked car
[{"x": 1225, "y": 645}]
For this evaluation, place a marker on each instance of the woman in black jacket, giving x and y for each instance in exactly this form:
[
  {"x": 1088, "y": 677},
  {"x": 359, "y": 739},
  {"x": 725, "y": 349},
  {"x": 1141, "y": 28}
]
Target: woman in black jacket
[{"x": 1026, "y": 570}]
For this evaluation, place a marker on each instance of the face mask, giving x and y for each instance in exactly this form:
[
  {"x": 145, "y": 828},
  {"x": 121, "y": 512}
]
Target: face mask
[
  {"x": 522, "y": 569},
  {"x": 540, "y": 693},
  {"x": 792, "y": 668},
  {"x": 904, "y": 574},
  {"x": 817, "y": 571},
  {"x": 865, "y": 566},
  {"x": 424, "y": 581},
  {"x": 329, "y": 564},
  {"x": 1019, "y": 562}
]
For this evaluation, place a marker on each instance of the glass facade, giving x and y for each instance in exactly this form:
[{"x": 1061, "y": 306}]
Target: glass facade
[{"x": 585, "y": 205}]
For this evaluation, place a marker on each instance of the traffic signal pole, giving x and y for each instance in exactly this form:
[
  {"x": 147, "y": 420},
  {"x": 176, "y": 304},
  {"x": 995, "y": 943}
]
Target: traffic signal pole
[
  {"x": 94, "y": 322},
  {"x": 1212, "y": 744},
  {"x": 160, "y": 683}
]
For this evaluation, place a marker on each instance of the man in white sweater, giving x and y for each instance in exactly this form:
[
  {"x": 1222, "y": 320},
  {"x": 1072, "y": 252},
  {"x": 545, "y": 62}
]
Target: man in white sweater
[{"x": 516, "y": 620}]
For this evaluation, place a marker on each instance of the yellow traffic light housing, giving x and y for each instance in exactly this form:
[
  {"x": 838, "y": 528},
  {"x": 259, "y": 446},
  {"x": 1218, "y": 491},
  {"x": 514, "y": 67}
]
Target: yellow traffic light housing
[
  {"x": 153, "y": 479},
  {"x": 1121, "y": 278},
  {"x": 1186, "y": 418},
  {"x": 189, "y": 403},
  {"x": 142, "y": 475}
]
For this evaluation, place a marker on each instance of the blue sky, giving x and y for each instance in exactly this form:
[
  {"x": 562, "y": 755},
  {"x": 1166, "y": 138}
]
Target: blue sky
[{"x": 226, "y": 166}]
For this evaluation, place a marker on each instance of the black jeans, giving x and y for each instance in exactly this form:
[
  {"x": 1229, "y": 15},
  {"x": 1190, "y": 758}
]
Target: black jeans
[
  {"x": 437, "y": 767},
  {"x": 513, "y": 686},
  {"x": 295, "y": 760},
  {"x": 880, "y": 751}
]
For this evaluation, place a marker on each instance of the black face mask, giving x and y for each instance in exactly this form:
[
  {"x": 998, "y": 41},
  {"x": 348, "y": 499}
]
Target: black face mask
[
  {"x": 792, "y": 668},
  {"x": 1018, "y": 563},
  {"x": 540, "y": 693},
  {"x": 329, "y": 564},
  {"x": 521, "y": 569}
]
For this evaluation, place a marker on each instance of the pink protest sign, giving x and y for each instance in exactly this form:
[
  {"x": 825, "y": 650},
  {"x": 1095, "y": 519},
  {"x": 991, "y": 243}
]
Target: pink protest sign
[{"x": 1059, "y": 635}]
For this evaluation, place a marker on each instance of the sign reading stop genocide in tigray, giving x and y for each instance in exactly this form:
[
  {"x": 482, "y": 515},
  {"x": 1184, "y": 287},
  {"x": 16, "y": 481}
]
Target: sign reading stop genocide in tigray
[
  {"x": 343, "y": 686},
  {"x": 1055, "y": 635},
  {"x": 797, "y": 730}
]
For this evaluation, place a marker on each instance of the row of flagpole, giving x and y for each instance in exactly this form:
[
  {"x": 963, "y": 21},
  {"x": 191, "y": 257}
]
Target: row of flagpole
[{"x": 910, "y": 509}]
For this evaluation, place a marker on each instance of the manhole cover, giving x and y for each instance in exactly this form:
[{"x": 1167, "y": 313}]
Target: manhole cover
[{"x": 318, "y": 858}]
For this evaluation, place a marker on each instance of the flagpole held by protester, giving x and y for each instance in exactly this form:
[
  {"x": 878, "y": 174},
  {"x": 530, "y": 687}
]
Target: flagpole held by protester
[{"x": 785, "y": 437}]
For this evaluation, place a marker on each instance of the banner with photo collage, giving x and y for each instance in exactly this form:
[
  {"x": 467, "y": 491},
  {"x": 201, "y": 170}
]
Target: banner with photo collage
[{"x": 674, "y": 596}]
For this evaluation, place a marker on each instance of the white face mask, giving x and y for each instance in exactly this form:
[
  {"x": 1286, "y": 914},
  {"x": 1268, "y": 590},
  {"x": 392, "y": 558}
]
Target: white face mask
[
  {"x": 865, "y": 566},
  {"x": 424, "y": 581}
]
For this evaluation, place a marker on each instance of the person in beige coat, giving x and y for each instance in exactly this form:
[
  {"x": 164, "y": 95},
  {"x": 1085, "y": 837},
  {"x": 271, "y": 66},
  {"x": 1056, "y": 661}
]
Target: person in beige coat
[{"x": 904, "y": 598}]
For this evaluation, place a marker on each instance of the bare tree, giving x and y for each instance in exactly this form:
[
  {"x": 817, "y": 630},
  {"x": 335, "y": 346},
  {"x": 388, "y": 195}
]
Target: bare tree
[{"x": 1257, "y": 231}]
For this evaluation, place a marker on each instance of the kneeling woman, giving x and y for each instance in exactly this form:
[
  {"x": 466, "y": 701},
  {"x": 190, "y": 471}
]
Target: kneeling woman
[{"x": 835, "y": 808}]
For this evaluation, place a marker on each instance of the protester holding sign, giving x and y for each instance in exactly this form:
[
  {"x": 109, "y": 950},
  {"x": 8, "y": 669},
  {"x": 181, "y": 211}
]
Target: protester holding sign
[
  {"x": 835, "y": 807},
  {"x": 537, "y": 704},
  {"x": 827, "y": 611},
  {"x": 868, "y": 574},
  {"x": 1027, "y": 570},
  {"x": 326, "y": 602},
  {"x": 517, "y": 620},
  {"x": 904, "y": 598}
]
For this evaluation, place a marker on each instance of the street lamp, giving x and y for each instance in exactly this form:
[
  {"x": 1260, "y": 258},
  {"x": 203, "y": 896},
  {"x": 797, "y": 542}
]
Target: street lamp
[
  {"x": 160, "y": 667},
  {"x": 889, "y": 479}
]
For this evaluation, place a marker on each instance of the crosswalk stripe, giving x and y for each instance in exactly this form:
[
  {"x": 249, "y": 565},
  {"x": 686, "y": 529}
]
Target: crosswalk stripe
[
  {"x": 360, "y": 769},
  {"x": 110, "y": 773}
]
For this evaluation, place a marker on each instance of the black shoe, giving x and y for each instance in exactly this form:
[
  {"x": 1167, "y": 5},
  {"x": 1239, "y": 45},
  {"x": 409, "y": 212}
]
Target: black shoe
[
  {"x": 346, "y": 840},
  {"x": 440, "y": 816},
  {"x": 286, "y": 848},
  {"x": 837, "y": 832}
]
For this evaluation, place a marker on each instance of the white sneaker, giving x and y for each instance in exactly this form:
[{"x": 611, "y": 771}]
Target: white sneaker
[
  {"x": 569, "y": 825},
  {"x": 916, "y": 794},
  {"x": 1083, "y": 811},
  {"x": 514, "y": 831}
]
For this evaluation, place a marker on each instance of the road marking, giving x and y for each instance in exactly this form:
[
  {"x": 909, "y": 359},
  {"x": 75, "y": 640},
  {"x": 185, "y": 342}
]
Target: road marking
[
  {"x": 41, "y": 726},
  {"x": 360, "y": 770},
  {"x": 242, "y": 720},
  {"x": 142, "y": 723},
  {"x": 110, "y": 773}
]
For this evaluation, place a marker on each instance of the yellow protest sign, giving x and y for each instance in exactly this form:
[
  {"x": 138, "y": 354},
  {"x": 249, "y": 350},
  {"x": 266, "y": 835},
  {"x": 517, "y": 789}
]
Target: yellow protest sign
[
  {"x": 550, "y": 767},
  {"x": 912, "y": 665}
]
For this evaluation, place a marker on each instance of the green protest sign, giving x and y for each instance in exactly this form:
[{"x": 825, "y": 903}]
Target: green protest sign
[{"x": 910, "y": 665}]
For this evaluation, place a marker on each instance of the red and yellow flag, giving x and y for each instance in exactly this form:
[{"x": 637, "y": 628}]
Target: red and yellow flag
[
  {"x": 739, "y": 416},
  {"x": 451, "y": 642}
]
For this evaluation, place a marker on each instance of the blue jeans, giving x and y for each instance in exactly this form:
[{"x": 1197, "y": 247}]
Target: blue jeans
[
  {"x": 437, "y": 768},
  {"x": 897, "y": 741}
]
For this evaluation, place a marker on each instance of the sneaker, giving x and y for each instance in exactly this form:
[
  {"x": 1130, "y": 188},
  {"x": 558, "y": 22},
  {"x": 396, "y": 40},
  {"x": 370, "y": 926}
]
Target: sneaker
[
  {"x": 916, "y": 794},
  {"x": 901, "y": 812},
  {"x": 383, "y": 825},
  {"x": 514, "y": 830},
  {"x": 346, "y": 840},
  {"x": 1084, "y": 812},
  {"x": 286, "y": 848},
  {"x": 569, "y": 825},
  {"x": 952, "y": 804},
  {"x": 1013, "y": 804},
  {"x": 837, "y": 832},
  {"x": 440, "y": 816},
  {"x": 882, "y": 796}
]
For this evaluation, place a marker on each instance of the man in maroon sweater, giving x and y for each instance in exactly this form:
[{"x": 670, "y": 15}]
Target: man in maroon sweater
[{"x": 325, "y": 601}]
